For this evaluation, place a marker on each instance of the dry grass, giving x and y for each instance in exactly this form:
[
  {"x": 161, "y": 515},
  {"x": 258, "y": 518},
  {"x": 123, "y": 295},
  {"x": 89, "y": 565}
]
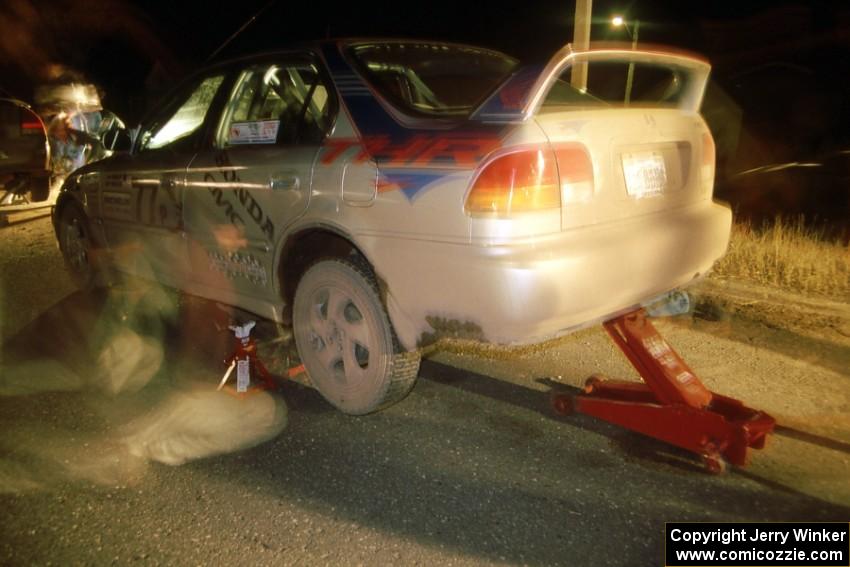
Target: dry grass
[{"x": 789, "y": 256}]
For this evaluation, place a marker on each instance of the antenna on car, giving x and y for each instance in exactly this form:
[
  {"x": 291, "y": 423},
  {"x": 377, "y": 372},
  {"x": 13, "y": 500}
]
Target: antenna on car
[{"x": 247, "y": 23}]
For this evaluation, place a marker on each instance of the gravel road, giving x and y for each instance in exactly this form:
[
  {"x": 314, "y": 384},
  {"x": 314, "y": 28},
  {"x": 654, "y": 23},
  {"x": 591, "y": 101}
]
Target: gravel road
[{"x": 99, "y": 393}]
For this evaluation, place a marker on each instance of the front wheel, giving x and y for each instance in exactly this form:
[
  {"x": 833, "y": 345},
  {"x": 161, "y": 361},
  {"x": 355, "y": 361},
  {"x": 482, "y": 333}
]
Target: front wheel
[
  {"x": 346, "y": 341},
  {"x": 78, "y": 248}
]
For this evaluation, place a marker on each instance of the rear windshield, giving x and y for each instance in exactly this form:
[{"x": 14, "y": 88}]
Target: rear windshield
[
  {"x": 432, "y": 79},
  {"x": 609, "y": 84}
]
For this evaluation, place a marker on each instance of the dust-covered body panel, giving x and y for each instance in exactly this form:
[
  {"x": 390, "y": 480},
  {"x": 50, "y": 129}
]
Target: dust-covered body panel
[{"x": 463, "y": 193}]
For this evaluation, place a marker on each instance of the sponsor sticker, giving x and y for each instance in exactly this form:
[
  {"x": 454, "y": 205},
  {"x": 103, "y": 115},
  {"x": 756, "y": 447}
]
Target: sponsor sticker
[
  {"x": 117, "y": 206},
  {"x": 254, "y": 132}
]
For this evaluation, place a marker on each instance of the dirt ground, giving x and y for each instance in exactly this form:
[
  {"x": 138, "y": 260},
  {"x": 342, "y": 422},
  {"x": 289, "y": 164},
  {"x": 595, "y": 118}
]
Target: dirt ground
[
  {"x": 476, "y": 410},
  {"x": 787, "y": 356},
  {"x": 795, "y": 349},
  {"x": 31, "y": 279}
]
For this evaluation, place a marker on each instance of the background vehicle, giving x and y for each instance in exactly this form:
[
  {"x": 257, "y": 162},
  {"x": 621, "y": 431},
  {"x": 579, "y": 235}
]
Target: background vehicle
[
  {"x": 379, "y": 195},
  {"x": 24, "y": 154},
  {"x": 33, "y": 158}
]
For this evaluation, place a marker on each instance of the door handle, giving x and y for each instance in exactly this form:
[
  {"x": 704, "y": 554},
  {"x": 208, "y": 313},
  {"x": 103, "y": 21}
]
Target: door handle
[{"x": 284, "y": 182}]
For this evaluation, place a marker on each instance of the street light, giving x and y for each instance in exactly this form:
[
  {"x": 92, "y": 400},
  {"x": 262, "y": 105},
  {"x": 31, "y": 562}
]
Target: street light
[{"x": 618, "y": 21}]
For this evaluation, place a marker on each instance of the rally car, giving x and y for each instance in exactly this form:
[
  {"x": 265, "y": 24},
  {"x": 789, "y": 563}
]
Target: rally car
[{"x": 380, "y": 194}]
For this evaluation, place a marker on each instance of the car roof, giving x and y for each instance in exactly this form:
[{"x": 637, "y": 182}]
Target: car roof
[{"x": 320, "y": 44}]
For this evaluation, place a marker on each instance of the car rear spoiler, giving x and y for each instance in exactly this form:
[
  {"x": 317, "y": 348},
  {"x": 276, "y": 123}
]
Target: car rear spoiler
[{"x": 519, "y": 97}]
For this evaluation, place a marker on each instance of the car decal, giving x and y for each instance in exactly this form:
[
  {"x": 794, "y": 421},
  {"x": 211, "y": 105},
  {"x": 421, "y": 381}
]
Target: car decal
[
  {"x": 428, "y": 154},
  {"x": 410, "y": 182},
  {"x": 229, "y": 177},
  {"x": 456, "y": 150},
  {"x": 117, "y": 206},
  {"x": 253, "y": 132},
  {"x": 415, "y": 165},
  {"x": 507, "y": 103},
  {"x": 229, "y": 211},
  {"x": 238, "y": 265}
]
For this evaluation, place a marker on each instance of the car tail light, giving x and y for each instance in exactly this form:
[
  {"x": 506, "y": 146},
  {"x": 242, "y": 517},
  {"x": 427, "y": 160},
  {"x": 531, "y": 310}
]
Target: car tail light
[
  {"x": 30, "y": 124},
  {"x": 531, "y": 180}
]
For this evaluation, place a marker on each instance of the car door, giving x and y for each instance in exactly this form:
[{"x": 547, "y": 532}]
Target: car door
[
  {"x": 142, "y": 193},
  {"x": 254, "y": 179}
]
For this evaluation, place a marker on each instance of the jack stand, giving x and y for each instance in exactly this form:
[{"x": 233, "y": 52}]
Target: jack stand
[
  {"x": 672, "y": 405},
  {"x": 244, "y": 360}
]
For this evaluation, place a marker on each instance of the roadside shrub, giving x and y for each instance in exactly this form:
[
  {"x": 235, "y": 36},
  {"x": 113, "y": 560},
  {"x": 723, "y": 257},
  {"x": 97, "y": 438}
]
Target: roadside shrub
[{"x": 788, "y": 255}]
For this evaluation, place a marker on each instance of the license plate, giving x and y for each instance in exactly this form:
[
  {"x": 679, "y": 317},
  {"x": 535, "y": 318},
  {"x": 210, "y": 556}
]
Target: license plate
[{"x": 645, "y": 173}]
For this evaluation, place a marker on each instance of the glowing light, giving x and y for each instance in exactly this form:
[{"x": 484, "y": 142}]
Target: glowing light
[{"x": 617, "y": 21}]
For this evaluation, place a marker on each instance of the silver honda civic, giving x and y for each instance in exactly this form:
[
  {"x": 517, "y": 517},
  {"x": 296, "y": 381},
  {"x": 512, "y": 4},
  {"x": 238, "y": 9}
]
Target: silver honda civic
[{"x": 377, "y": 195}]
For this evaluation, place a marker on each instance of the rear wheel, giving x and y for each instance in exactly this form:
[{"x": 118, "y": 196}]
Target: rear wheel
[{"x": 345, "y": 340}]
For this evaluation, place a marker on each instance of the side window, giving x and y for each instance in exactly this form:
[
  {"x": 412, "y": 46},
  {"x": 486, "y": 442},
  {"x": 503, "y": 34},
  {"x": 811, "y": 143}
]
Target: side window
[
  {"x": 317, "y": 117},
  {"x": 186, "y": 119},
  {"x": 276, "y": 104}
]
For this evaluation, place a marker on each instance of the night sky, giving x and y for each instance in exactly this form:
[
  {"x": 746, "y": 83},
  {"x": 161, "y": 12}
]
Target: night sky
[
  {"x": 529, "y": 30},
  {"x": 136, "y": 49},
  {"x": 522, "y": 28}
]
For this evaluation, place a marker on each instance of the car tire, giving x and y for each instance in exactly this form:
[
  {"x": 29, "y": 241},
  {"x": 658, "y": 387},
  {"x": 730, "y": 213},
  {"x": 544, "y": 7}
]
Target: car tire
[
  {"x": 345, "y": 340},
  {"x": 79, "y": 249}
]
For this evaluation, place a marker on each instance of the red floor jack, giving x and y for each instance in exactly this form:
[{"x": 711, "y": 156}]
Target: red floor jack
[{"x": 672, "y": 405}]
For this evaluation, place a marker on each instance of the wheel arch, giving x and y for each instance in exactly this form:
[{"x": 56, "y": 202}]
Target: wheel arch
[
  {"x": 63, "y": 201},
  {"x": 307, "y": 244},
  {"x": 304, "y": 247}
]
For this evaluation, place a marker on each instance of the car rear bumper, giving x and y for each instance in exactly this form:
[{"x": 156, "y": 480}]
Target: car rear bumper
[{"x": 538, "y": 289}]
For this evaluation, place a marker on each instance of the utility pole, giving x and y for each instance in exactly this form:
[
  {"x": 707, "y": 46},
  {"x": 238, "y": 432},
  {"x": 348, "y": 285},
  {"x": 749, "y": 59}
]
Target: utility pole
[
  {"x": 581, "y": 41},
  {"x": 631, "y": 73}
]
